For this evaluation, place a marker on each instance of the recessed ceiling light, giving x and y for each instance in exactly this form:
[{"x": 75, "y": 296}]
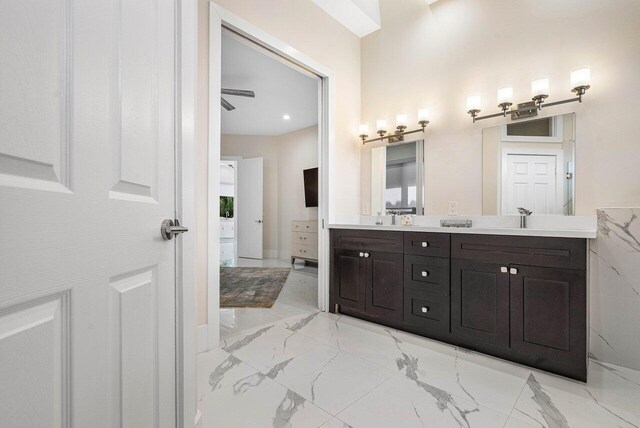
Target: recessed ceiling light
[{"x": 286, "y": 117}]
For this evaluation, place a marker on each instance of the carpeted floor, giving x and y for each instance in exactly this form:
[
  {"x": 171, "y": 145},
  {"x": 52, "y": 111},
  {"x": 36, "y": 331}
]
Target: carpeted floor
[{"x": 248, "y": 287}]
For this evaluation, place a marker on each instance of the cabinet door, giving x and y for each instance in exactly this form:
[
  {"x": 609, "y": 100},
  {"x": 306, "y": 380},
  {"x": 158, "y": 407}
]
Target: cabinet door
[
  {"x": 349, "y": 279},
  {"x": 479, "y": 303},
  {"x": 384, "y": 285},
  {"x": 548, "y": 315}
]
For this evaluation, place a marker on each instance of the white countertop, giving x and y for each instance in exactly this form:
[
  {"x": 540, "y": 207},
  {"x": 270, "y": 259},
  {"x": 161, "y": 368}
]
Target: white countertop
[{"x": 548, "y": 226}]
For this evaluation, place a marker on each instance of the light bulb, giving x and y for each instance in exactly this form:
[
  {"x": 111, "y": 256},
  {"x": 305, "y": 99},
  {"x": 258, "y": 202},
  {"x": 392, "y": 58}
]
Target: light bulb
[
  {"x": 381, "y": 125},
  {"x": 474, "y": 102},
  {"x": 540, "y": 87},
  {"x": 580, "y": 77},
  {"x": 423, "y": 114},
  {"x": 364, "y": 129},
  {"x": 401, "y": 120},
  {"x": 505, "y": 95}
]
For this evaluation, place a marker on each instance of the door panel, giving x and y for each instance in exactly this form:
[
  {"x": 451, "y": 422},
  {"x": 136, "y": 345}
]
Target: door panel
[
  {"x": 250, "y": 208},
  {"x": 86, "y": 178},
  {"x": 348, "y": 280},
  {"x": 548, "y": 315},
  {"x": 532, "y": 183},
  {"x": 479, "y": 302},
  {"x": 384, "y": 285}
]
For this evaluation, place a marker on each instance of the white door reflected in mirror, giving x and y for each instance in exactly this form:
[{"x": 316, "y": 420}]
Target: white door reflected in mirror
[{"x": 529, "y": 164}]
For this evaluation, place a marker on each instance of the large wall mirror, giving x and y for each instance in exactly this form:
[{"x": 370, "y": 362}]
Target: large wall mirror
[
  {"x": 531, "y": 165},
  {"x": 397, "y": 178}
]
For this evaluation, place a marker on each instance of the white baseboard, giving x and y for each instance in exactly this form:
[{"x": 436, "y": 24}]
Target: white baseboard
[{"x": 203, "y": 345}]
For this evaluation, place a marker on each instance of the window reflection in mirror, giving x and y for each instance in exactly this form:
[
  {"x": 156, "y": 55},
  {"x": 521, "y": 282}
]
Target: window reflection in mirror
[
  {"x": 397, "y": 178},
  {"x": 529, "y": 164}
]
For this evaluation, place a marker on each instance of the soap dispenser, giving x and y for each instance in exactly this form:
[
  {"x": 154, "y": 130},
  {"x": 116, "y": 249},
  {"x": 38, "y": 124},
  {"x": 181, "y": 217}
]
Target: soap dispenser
[{"x": 379, "y": 220}]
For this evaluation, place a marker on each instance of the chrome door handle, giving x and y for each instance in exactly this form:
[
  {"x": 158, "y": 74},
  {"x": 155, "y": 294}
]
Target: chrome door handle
[{"x": 169, "y": 229}]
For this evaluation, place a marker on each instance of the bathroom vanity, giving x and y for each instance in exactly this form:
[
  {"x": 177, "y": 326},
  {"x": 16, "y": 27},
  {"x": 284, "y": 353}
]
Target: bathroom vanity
[{"x": 514, "y": 294}]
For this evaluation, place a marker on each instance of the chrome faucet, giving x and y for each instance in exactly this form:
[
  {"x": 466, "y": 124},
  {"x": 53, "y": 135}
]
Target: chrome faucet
[
  {"x": 524, "y": 213},
  {"x": 393, "y": 215}
]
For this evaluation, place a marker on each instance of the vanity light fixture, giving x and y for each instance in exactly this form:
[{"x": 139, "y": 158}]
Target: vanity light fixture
[
  {"x": 401, "y": 126},
  {"x": 580, "y": 81}
]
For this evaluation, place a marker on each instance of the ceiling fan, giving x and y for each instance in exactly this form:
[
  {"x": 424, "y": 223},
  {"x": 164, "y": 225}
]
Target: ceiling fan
[{"x": 237, "y": 92}]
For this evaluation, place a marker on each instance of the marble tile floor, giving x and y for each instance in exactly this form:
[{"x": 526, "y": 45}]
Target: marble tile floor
[
  {"x": 299, "y": 295},
  {"x": 321, "y": 370}
]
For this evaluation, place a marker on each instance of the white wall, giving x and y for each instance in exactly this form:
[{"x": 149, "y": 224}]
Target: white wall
[
  {"x": 285, "y": 157},
  {"x": 459, "y": 47},
  {"x": 297, "y": 151}
]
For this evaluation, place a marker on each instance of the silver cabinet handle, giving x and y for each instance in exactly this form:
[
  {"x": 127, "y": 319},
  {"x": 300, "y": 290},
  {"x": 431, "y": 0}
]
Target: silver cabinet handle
[
  {"x": 504, "y": 269},
  {"x": 361, "y": 254},
  {"x": 425, "y": 244},
  {"x": 366, "y": 254},
  {"x": 513, "y": 271},
  {"x": 425, "y": 273},
  {"x": 169, "y": 229},
  {"x": 425, "y": 309}
]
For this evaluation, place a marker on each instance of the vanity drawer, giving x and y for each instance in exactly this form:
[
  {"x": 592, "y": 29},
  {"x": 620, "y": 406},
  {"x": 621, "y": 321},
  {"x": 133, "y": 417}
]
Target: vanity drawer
[
  {"x": 429, "y": 274},
  {"x": 427, "y": 244},
  {"x": 426, "y": 311},
  {"x": 568, "y": 253},
  {"x": 367, "y": 240},
  {"x": 304, "y": 238}
]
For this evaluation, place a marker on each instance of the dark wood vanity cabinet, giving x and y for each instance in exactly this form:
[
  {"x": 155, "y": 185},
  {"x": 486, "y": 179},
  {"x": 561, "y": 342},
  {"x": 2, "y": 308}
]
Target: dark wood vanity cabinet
[
  {"x": 479, "y": 303},
  {"x": 548, "y": 317},
  {"x": 367, "y": 273},
  {"x": 519, "y": 298}
]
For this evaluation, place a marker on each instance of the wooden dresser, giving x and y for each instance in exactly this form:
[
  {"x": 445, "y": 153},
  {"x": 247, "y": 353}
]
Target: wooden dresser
[{"x": 304, "y": 240}]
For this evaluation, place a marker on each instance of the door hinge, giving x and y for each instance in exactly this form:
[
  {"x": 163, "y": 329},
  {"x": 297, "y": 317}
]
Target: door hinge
[{"x": 323, "y": 223}]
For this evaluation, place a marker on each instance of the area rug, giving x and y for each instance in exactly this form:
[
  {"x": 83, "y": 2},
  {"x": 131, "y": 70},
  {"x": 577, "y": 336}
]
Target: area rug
[{"x": 244, "y": 287}]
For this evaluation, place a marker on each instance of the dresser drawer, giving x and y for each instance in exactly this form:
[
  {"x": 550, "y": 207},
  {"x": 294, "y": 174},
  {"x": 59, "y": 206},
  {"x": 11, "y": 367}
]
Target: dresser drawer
[
  {"x": 367, "y": 240},
  {"x": 428, "y": 312},
  {"x": 304, "y": 238},
  {"x": 304, "y": 226},
  {"x": 304, "y": 251},
  {"x": 427, "y": 244},
  {"x": 429, "y": 274},
  {"x": 569, "y": 253}
]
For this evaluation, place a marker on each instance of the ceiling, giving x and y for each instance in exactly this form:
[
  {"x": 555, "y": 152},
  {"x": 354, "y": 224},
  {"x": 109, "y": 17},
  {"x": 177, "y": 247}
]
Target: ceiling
[{"x": 280, "y": 89}]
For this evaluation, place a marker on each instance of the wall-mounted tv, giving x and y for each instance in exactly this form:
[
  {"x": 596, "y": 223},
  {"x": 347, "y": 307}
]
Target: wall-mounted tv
[{"x": 311, "y": 187}]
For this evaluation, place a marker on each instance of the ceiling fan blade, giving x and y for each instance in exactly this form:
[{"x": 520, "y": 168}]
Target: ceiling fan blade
[
  {"x": 239, "y": 93},
  {"x": 226, "y": 104}
]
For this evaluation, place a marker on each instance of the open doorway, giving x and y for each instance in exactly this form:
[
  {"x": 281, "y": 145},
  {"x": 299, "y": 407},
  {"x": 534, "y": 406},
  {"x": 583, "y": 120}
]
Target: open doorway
[{"x": 269, "y": 147}]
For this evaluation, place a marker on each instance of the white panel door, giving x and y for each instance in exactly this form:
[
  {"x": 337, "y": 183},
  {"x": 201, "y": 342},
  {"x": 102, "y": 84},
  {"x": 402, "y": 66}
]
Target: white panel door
[
  {"x": 531, "y": 182},
  {"x": 250, "y": 208},
  {"x": 87, "y": 285}
]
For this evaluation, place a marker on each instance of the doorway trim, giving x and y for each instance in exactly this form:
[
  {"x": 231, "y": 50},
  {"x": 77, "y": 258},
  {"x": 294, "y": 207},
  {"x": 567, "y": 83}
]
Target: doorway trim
[
  {"x": 185, "y": 160},
  {"x": 220, "y": 17}
]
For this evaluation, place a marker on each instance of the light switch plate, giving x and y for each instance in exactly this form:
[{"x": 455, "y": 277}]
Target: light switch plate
[{"x": 453, "y": 207}]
